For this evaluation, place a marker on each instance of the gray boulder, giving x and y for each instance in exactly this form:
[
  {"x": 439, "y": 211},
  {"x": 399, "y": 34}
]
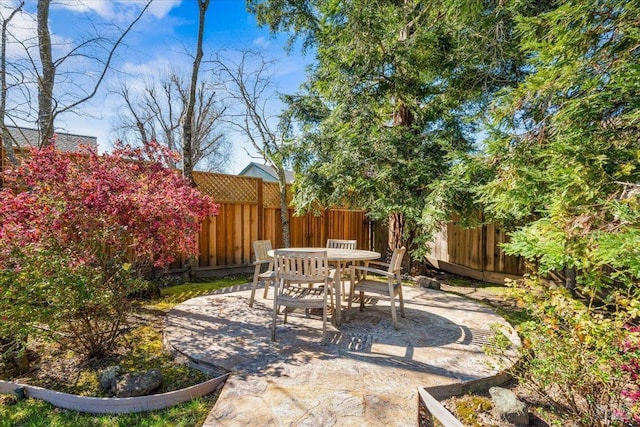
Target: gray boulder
[
  {"x": 109, "y": 378},
  {"x": 507, "y": 407},
  {"x": 427, "y": 282},
  {"x": 131, "y": 385}
]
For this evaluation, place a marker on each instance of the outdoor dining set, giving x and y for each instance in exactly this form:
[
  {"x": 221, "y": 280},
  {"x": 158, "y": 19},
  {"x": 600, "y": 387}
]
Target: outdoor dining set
[{"x": 314, "y": 278}]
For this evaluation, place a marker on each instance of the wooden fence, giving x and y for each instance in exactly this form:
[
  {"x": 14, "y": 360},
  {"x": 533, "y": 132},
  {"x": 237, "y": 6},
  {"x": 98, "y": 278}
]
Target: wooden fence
[
  {"x": 475, "y": 252},
  {"x": 250, "y": 210}
]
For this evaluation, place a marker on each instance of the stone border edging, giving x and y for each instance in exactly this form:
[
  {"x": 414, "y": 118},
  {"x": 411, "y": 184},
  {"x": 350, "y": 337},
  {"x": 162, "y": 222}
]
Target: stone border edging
[{"x": 109, "y": 405}]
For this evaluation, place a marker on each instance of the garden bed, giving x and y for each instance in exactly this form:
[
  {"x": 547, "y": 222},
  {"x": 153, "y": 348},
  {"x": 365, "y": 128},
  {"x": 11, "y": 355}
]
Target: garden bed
[{"x": 54, "y": 367}]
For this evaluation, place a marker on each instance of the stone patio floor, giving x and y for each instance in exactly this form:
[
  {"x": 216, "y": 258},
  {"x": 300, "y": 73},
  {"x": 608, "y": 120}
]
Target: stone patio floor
[{"x": 366, "y": 375}]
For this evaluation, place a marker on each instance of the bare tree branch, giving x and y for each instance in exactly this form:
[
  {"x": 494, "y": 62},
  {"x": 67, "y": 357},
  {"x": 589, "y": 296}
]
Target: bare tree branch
[
  {"x": 8, "y": 140},
  {"x": 187, "y": 119},
  {"x": 160, "y": 106},
  {"x": 108, "y": 62},
  {"x": 49, "y": 107},
  {"x": 247, "y": 83}
]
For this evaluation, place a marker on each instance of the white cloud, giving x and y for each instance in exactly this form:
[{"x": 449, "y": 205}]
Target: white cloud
[
  {"x": 103, "y": 8},
  {"x": 21, "y": 30},
  {"x": 150, "y": 68},
  {"x": 161, "y": 8},
  {"x": 138, "y": 76},
  {"x": 115, "y": 9},
  {"x": 262, "y": 43}
]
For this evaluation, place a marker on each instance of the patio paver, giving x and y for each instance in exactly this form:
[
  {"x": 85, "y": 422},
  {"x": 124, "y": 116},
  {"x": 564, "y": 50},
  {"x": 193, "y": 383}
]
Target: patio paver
[{"x": 367, "y": 374}]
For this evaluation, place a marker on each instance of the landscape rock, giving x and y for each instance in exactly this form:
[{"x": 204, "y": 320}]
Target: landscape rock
[
  {"x": 507, "y": 407},
  {"x": 427, "y": 282},
  {"x": 132, "y": 385},
  {"x": 109, "y": 378}
]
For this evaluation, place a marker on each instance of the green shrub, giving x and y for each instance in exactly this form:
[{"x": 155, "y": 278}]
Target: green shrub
[{"x": 571, "y": 356}]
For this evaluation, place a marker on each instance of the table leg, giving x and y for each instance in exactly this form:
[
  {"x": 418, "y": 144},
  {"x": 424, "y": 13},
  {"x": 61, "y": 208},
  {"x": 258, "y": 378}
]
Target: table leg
[{"x": 337, "y": 293}]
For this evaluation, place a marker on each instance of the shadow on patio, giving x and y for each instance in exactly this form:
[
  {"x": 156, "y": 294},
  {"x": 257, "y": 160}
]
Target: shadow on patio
[{"x": 366, "y": 364}]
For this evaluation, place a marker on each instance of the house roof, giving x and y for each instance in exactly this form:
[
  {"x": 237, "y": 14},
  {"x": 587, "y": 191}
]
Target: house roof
[
  {"x": 269, "y": 171},
  {"x": 26, "y": 137}
]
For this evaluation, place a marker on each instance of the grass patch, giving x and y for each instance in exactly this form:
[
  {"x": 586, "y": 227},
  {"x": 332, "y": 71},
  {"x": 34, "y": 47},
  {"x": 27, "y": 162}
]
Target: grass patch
[
  {"x": 464, "y": 282},
  {"x": 515, "y": 316},
  {"x": 148, "y": 353},
  {"x": 36, "y": 413},
  {"x": 502, "y": 298},
  {"x": 179, "y": 293}
]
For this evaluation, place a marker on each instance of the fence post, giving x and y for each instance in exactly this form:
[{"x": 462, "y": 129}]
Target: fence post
[
  {"x": 325, "y": 225},
  {"x": 260, "y": 202},
  {"x": 483, "y": 243}
]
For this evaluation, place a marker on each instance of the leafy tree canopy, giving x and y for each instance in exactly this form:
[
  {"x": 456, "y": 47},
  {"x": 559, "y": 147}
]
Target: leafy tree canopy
[
  {"x": 395, "y": 95},
  {"x": 564, "y": 144}
]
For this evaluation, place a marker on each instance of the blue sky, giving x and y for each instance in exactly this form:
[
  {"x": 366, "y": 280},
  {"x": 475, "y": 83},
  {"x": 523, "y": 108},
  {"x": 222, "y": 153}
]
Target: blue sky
[{"x": 158, "y": 41}]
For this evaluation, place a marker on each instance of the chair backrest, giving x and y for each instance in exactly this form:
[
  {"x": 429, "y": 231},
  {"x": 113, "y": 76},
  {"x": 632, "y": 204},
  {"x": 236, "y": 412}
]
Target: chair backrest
[
  {"x": 341, "y": 244},
  {"x": 301, "y": 266},
  {"x": 395, "y": 266},
  {"x": 260, "y": 248}
]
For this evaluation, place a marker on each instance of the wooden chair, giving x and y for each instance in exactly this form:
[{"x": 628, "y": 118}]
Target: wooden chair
[
  {"x": 260, "y": 248},
  {"x": 342, "y": 244},
  {"x": 296, "y": 272},
  {"x": 391, "y": 287}
]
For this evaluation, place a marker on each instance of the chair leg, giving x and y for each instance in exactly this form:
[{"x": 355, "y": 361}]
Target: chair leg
[
  {"x": 255, "y": 285},
  {"x": 401, "y": 300},
  {"x": 392, "y": 298},
  {"x": 394, "y": 316},
  {"x": 346, "y": 295},
  {"x": 266, "y": 288},
  {"x": 361, "y": 301},
  {"x": 334, "y": 304},
  {"x": 275, "y": 313},
  {"x": 324, "y": 323},
  {"x": 330, "y": 290}
]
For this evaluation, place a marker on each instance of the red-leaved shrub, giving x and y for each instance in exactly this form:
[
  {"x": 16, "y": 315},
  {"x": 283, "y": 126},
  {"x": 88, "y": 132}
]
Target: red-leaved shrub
[{"x": 75, "y": 231}]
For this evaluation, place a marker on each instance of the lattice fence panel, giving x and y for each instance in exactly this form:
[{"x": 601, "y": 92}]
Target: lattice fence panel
[
  {"x": 271, "y": 195},
  {"x": 227, "y": 188}
]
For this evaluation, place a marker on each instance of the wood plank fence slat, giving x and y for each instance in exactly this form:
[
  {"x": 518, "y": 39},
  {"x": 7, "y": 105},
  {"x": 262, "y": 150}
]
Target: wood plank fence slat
[{"x": 474, "y": 252}]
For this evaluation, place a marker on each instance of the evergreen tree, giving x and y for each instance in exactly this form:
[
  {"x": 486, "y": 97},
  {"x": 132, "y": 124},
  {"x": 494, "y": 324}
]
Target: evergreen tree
[
  {"x": 565, "y": 144},
  {"x": 394, "y": 97}
]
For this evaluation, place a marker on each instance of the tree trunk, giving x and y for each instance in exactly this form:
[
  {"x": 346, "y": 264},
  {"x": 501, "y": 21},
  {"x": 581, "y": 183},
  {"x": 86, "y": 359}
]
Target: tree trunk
[
  {"x": 284, "y": 208},
  {"x": 187, "y": 119},
  {"x": 402, "y": 117},
  {"x": 7, "y": 139},
  {"x": 396, "y": 231},
  {"x": 46, "y": 79}
]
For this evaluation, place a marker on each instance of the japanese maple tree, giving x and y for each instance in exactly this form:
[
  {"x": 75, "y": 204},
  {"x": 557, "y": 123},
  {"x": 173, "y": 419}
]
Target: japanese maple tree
[{"x": 77, "y": 230}]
